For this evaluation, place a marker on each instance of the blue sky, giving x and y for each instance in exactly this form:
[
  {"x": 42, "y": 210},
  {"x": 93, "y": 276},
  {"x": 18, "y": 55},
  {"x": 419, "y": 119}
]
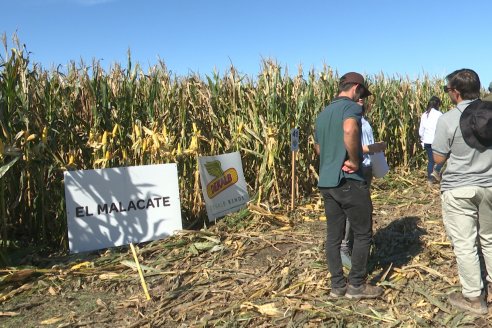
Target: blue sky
[{"x": 390, "y": 36}]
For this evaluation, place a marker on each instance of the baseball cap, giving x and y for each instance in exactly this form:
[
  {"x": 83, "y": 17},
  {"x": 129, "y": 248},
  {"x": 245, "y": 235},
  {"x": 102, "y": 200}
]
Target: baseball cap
[{"x": 353, "y": 77}]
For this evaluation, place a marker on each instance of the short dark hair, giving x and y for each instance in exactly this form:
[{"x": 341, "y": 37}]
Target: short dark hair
[
  {"x": 466, "y": 81},
  {"x": 345, "y": 86},
  {"x": 359, "y": 91}
]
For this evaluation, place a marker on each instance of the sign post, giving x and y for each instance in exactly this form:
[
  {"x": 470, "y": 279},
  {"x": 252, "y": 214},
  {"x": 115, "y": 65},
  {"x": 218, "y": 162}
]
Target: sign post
[
  {"x": 139, "y": 269},
  {"x": 294, "y": 147}
]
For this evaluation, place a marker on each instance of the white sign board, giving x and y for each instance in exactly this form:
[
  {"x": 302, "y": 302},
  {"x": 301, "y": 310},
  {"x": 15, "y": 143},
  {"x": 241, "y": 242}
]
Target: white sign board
[
  {"x": 223, "y": 184},
  {"x": 118, "y": 206}
]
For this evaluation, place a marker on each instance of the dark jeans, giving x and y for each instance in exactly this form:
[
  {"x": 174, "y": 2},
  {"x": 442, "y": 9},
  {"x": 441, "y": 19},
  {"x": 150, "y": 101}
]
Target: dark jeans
[
  {"x": 348, "y": 238},
  {"x": 430, "y": 162},
  {"x": 350, "y": 199}
]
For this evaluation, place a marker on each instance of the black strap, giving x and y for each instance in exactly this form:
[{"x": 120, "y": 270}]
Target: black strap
[{"x": 461, "y": 111}]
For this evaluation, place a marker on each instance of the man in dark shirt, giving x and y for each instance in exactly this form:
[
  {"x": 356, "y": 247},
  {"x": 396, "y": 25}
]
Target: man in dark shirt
[{"x": 344, "y": 190}]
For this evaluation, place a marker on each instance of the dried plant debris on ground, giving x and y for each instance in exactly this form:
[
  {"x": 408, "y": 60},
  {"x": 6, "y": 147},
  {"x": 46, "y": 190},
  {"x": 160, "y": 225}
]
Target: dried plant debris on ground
[{"x": 260, "y": 267}]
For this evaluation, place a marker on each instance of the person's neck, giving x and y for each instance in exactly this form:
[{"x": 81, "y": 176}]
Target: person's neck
[
  {"x": 464, "y": 102},
  {"x": 346, "y": 94}
]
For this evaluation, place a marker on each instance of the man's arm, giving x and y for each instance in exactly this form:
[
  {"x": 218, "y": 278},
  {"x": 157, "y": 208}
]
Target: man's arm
[
  {"x": 316, "y": 148},
  {"x": 441, "y": 144},
  {"x": 439, "y": 159},
  {"x": 351, "y": 139}
]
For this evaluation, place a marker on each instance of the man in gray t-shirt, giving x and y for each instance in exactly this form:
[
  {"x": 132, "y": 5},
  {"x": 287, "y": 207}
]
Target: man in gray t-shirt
[{"x": 466, "y": 186}]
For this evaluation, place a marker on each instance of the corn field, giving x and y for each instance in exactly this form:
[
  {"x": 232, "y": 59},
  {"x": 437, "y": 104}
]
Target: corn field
[{"x": 85, "y": 118}]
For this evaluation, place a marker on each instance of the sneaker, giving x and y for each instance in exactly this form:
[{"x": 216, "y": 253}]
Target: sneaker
[
  {"x": 363, "y": 291},
  {"x": 338, "y": 292},
  {"x": 473, "y": 304},
  {"x": 432, "y": 182},
  {"x": 346, "y": 259},
  {"x": 436, "y": 175}
]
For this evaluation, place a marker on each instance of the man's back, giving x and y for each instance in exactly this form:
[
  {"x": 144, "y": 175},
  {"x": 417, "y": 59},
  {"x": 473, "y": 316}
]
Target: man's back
[
  {"x": 329, "y": 136},
  {"x": 466, "y": 166}
]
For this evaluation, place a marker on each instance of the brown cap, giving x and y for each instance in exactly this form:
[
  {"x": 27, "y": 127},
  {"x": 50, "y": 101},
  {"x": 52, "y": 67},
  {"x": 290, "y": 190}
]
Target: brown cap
[{"x": 353, "y": 77}]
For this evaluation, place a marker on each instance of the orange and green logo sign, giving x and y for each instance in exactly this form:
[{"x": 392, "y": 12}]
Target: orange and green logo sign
[{"x": 222, "y": 180}]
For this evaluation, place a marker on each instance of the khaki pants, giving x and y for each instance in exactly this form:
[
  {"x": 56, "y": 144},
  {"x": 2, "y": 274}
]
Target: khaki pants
[{"x": 467, "y": 216}]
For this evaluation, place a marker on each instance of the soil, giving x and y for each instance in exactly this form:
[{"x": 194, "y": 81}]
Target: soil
[{"x": 261, "y": 267}]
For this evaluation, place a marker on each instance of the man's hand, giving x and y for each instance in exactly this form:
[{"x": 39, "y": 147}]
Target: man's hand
[{"x": 350, "y": 167}]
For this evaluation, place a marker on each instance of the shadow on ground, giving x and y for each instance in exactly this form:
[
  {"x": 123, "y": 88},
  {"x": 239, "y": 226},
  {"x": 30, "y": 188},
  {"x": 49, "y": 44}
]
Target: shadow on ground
[{"x": 397, "y": 243}]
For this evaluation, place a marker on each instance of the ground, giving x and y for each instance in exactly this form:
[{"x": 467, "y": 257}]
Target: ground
[{"x": 259, "y": 268}]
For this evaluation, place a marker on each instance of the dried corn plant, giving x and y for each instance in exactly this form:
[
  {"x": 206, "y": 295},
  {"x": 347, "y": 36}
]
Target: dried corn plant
[{"x": 85, "y": 118}]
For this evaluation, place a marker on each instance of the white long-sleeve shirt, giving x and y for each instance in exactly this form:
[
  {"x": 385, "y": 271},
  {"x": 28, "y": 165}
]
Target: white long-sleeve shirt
[{"x": 427, "y": 127}]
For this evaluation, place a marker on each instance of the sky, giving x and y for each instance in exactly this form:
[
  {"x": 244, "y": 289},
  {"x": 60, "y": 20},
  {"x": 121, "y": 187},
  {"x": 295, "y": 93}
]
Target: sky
[{"x": 397, "y": 38}]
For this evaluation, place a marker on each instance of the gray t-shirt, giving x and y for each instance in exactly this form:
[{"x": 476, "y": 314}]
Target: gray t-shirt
[{"x": 466, "y": 166}]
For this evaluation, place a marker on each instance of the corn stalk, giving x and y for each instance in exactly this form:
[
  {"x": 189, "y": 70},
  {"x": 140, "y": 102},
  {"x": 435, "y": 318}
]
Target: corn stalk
[{"x": 85, "y": 118}]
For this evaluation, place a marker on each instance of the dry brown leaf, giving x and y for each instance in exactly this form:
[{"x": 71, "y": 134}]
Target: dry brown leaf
[
  {"x": 131, "y": 302},
  {"x": 431, "y": 271},
  {"x": 51, "y": 321},
  {"x": 15, "y": 292},
  {"x": 306, "y": 306},
  {"x": 109, "y": 276},
  {"x": 20, "y": 275},
  {"x": 268, "y": 309},
  {"x": 101, "y": 303},
  {"x": 52, "y": 291}
]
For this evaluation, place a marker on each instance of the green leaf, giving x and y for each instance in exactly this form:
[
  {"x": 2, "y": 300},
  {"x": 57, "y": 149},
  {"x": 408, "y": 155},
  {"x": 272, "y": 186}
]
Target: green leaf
[
  {"x": 6, "y": 167},
  {"x": 214, "y": 168}
]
